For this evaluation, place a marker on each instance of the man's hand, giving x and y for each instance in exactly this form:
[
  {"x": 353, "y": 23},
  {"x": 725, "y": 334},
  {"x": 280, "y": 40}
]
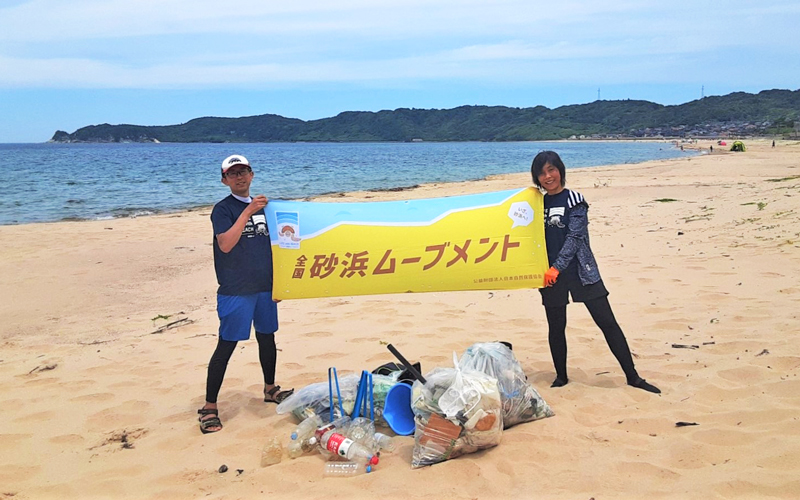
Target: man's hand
[
  {"x": 230, "y": 238},
  {"x": 257, "y": 204},
  {"x": 550, "y": 276}
]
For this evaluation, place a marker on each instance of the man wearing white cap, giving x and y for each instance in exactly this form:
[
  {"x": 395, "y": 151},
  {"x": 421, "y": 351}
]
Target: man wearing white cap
[{"x": 243, "y": 263}]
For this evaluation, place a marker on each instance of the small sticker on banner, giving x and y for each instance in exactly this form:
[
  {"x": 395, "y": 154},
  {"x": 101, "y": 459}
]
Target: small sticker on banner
[
  {"x": 288, "y": 229},
  {"x": 521, "y": 213}
]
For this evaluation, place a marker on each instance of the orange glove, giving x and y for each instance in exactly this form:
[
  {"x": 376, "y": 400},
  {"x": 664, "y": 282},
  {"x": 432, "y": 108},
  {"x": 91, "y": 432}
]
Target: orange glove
[{"x": 550, "y": 276}]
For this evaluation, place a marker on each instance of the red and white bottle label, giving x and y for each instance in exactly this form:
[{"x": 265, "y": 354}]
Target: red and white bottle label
[{"x": 338, "y": 444}]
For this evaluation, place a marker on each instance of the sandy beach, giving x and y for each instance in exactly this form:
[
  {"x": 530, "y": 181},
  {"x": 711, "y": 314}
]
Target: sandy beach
[{"x": 107, "y": 327}]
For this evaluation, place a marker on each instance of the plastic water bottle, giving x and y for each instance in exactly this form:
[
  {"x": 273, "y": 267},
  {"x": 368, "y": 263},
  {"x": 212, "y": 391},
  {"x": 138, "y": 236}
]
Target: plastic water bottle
[
  {"x": 340, "y": 423},
  {"x": 345, "y": 469},
  {"x": 307, "y": 427},
  {"x": 341, "y": 446},
  {"x": 303, "y": 437},
  {"x": 361, "y": 430},
  {"x": 384, "y": 442},
  {"x": 272, "y": 452},
  {"x": 297, "y": 447}
]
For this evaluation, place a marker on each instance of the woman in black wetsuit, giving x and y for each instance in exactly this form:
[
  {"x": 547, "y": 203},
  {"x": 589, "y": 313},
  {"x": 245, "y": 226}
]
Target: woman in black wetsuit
[{"x": 574, "y": 271}]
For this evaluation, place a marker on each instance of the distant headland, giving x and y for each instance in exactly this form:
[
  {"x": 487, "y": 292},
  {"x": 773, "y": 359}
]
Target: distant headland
[{"x": 768, "y": 113}]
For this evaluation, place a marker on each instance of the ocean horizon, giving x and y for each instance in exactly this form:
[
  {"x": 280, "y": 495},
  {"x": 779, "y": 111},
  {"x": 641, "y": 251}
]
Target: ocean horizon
[{"x": 88, "y": 181}]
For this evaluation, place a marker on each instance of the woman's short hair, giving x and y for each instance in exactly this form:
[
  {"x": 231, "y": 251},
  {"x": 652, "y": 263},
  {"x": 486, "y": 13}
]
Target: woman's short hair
[{"x": 542, "y": 159}]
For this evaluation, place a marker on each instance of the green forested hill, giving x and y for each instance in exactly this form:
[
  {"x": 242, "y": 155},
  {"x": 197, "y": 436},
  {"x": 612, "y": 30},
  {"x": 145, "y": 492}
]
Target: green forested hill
[{"x": 768, "y": 112}]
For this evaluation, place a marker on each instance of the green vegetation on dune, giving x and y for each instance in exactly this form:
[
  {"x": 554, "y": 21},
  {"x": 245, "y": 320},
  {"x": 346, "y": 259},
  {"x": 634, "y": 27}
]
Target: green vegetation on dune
[{"x": 771, "y": 112}]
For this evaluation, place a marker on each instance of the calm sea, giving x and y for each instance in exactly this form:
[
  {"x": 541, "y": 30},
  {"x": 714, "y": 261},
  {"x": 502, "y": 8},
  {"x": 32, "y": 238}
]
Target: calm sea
[{"x": 53, "y": 182}]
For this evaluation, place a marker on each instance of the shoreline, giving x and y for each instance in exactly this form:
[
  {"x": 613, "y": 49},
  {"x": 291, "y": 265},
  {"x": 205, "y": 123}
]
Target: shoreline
[
  {"x": 101, "y": 404},
  {"x": 585, "y": 139}
]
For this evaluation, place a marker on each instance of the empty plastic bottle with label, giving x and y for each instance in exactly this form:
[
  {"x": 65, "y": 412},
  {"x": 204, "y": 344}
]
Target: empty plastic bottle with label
[
  {"x": 345, "y": 469},
  {"x": 307, "y": 427},
  {"x": 340, "y": 423},
  {"x": 341, "y": 446}
]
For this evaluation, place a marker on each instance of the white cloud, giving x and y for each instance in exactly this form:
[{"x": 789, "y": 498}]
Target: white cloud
[
  {"x": 42, "y": 20},
  {"x": 204, "y": 43}
]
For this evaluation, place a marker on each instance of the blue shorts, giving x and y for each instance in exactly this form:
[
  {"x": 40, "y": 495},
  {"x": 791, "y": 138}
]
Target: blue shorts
[{"x": 238, "y": 313}]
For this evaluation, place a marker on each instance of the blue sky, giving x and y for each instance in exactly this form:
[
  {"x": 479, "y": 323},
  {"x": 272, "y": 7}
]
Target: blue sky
[{"x": 68, "y": 64}]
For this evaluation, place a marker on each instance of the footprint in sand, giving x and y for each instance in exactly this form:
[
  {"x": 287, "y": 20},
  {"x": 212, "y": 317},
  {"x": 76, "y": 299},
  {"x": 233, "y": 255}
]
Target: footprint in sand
[
  {"x": 80, "y": 385},
  {"x": 184, "y": 477},
  {"x": 365, "y": 339},
  {"x": 722, "y": 437},
  {"x": 17, "y": 474},
  {"x": 437, "y": 359},
  {"x": 377, "y": 358},
  {"x": 440, "y": 329},
  {"x": 784, "y": 389},
  {"x": 43, "y": 381},
  {"x": 519, "y": 322},
  {"x": 99, "y": 396},
  {"x": 71, "y": 439},
  {"x": 128, "y": 413},
  {"x": 37, "y": 417},
  {"x": 746, "y": 375},
  {"x": 331, "y": 355},
  {"x": 317, "y": 334},
  {"x": 7, "y": 440},
  {"x": 678, "y": 325},
  {"x": 645, "y": 470}
]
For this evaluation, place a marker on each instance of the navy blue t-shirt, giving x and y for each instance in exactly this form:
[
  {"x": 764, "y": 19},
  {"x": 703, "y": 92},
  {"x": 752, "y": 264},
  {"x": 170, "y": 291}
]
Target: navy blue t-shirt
[
  {"x": 556, "y": 216},
  {"x": 247, "y": 268}
]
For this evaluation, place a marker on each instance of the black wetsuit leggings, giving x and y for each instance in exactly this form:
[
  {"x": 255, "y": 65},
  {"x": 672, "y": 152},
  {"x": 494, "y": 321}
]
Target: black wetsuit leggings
[
  {"x": 267, "y": 355},
  {"x": 602, "y": 315}
]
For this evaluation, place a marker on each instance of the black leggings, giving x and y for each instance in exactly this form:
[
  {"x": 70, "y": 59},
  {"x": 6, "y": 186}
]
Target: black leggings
[
  {"x": 267, "y": 355},
  {"x": 602, "y": 315}
]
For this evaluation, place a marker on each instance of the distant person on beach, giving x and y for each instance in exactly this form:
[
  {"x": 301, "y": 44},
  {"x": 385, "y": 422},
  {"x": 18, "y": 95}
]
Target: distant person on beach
[
  {"x": 243, "y": 263},
  {"x": 574, "y": 271},
  {"x": 773, "y": 143}
]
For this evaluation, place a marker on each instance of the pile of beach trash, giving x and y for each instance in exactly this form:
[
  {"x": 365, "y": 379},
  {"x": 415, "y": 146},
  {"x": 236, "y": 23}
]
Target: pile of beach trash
[{"x": 451, "y": 411}]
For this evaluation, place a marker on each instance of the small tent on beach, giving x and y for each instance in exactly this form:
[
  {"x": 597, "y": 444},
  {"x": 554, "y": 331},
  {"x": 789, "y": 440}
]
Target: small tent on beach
[{"x": 738, "y": 146}]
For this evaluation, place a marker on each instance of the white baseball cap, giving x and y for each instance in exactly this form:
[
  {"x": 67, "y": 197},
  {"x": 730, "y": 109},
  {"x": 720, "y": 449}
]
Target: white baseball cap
[{"x": 232, "y": 161}]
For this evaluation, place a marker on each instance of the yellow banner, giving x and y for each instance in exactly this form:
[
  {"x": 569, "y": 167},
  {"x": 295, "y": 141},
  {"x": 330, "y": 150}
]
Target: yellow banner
[{"x": 488, "y": 241}]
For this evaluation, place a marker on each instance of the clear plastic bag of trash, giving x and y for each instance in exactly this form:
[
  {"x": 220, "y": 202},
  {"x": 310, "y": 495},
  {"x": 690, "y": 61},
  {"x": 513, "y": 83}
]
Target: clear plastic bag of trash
[
  {"x": 457, "y": 411},
  {"x": 315, "y": 399},
  {"x": 521, "y": 402}
]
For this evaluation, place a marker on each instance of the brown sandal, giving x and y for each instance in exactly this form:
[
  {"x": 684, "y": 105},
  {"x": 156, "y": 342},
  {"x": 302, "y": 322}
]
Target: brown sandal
[
  {"x": 276, "y": 395},
  {"x": 209, "y": 422}
]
